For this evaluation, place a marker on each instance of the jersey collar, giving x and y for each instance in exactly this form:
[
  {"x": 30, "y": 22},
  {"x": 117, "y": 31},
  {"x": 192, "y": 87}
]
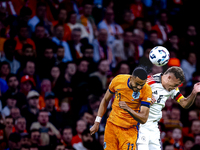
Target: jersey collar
[{"x": 128, "y": 83}]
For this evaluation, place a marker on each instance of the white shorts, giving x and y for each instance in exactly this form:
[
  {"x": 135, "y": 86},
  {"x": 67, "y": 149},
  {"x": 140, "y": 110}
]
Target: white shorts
[{"x": 149, "y": 137}]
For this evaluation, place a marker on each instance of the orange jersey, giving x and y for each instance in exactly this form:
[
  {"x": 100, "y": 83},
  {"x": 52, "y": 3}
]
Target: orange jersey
[{"x": 120, "y": 87}]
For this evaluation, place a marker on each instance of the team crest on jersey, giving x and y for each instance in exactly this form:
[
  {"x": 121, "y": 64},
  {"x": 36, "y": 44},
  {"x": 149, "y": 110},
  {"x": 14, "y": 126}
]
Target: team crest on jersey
[
  {"x": 136, "y": 95},
  {"x": 143, "y": 138},
  {"x": 104, "y": 145}
]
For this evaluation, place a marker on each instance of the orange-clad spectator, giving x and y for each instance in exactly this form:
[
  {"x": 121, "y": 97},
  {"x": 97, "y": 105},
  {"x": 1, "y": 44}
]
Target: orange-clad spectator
[
  {"x": 80, "y": 127},
  {"x": 40, "y": 16},
  {"x": 20, "y": 125},
  {"x": 32, "y": 4},
  {"x": 88, "y": 21},
  {"x": 2, "y": 37},
  {"x": 50, "y": 106},
  {"x": 193, "y": 130},
  {"x": 66, "y": 136},
  {"x": 62, "y": 16},
  {"x": 23, "y": 38},
  {"x": 46, "y": 88},
  {"x": 137, "y": 8},
  {"x": 162, "y": 26}
]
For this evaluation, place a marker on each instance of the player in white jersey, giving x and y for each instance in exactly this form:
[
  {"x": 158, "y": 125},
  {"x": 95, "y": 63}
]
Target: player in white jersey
[{"x": 163, "y": 86}]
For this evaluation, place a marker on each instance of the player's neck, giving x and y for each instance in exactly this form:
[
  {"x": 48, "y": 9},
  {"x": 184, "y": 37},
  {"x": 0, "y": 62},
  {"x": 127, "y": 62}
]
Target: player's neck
[{"x": 161, "y": 80}]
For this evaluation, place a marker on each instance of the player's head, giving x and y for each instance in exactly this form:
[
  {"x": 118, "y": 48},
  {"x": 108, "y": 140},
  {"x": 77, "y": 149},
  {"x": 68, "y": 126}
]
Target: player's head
[
  {"x": 168, "y": 146},
  {"x": 138, "y": 79},
  {"x": 172, "y": 78}
]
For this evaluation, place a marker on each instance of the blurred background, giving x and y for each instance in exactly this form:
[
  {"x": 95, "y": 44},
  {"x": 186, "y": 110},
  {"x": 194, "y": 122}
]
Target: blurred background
[{"x": 57, "y": 58}]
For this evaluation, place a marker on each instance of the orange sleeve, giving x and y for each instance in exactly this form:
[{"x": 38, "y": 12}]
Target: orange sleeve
[
  {"x": 147, "y": 94},
  {"x": 112, "y": 85}
]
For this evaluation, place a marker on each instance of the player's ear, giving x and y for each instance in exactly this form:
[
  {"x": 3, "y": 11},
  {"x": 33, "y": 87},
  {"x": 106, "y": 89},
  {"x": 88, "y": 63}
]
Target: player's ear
[
  {"x": 131, "y": 77},
  {"x": 169, "y": 77}
]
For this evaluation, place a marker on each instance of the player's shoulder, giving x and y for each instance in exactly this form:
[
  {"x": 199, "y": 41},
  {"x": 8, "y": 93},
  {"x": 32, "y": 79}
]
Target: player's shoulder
[
  {"x": 121, "y": 77},
  {"x": 152, "y": 79},
  {"x": 146, "y": 87}
]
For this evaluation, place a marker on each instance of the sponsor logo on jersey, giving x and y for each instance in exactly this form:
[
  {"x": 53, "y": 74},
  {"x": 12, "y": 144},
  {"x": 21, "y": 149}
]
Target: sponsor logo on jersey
[
  {"x": 155, "y": 92},
  {"x": 148, "y": 99},
  {"x": 119, "y": 89}
]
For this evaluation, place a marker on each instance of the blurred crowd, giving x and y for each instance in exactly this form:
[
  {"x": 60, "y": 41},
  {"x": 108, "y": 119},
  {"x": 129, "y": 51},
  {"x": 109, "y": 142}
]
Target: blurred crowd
[{"x": 57, "y": 58}]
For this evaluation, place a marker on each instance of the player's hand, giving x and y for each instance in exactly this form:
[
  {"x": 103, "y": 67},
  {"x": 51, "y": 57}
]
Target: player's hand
[
  {"x": 153, "y": 100},
  {"x": 94, "y": 128},
  {"x": 123, "y": 105},
  {"x": 196, "y": 88}
]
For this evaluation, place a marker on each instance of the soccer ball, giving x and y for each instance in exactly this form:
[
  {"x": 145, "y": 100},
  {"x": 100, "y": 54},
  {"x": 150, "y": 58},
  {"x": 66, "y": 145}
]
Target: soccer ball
[{"x": 159, "y": 56}]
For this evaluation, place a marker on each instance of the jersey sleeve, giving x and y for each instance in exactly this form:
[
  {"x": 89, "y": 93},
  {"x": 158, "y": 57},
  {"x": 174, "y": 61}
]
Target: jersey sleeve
[
  {"x": 146, "y": 99},
  {"x": 177, "y": 95},
  {"x": 112, "y": 85}
]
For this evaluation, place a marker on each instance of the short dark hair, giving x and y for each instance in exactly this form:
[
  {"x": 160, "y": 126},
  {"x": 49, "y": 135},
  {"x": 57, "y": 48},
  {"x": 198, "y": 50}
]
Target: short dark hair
[
  {"x": 140, "y": 72},
  {"x": 43, "y": 110},
  {"x": 165, "y": 144},
  {"x": 25, "y": 46},
  {"x": 34, "y": 130},
  {"x": 130, "y": 30},
  {"x": 8, "y": 43},
  {"x": 177, "y": 71},
  {"x": 121, "y": 63},
  {"x": 99, "y": 62},
  {"x": 69, "y": 62},
  {"x": 76, "y": 29},
  {"x": 85, "y": 132},
  {"x": 23, "y": 25},
  {"x": 25, "y": 11},
  {"x": 86, "y": 46},
  {"x": 92, "y": 98},
  {"x": 4, "y": 63},
  {"x": 187, "y": 138},
  {"x": 56, "y": 26},
  {"x": 78, "y": 61},
  {"x": 87, "y": 2},
  {"x": 41, "y": 4},
  {"x": 66, "y": 128},
  {"x": 59, "y": 46},
  {"x": 196, "y": 147},
  {"x": 40, "y": 24},
  {"x": 69, "y": 15},
  {"x": 10, "y": 76}
]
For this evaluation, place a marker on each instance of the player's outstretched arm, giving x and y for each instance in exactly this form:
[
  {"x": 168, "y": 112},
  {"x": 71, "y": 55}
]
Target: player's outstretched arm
[
  {"x": 187, "y": 102},
  {"x": 141, "y": 116},
  {"x": 102, "y": 109}
]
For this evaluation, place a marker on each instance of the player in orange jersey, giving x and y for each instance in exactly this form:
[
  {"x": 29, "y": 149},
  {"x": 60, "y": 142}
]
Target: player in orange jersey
[{"x": 130, "y": 106}]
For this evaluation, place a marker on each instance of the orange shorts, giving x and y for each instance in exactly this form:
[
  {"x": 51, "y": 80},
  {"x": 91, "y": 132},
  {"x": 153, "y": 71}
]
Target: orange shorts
[{"x": 118, "y": 138}]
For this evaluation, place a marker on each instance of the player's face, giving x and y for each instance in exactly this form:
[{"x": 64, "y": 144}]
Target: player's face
[
  {"x": 171, "y": 82},
  {"x": 136, "y": 84}
]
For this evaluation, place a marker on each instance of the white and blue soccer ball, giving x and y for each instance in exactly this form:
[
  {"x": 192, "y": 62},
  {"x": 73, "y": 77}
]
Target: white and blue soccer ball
[{"x": 159, "y": 56}]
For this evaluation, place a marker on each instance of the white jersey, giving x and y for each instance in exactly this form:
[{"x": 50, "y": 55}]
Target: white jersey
[{"x": 161, "y": 95}]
